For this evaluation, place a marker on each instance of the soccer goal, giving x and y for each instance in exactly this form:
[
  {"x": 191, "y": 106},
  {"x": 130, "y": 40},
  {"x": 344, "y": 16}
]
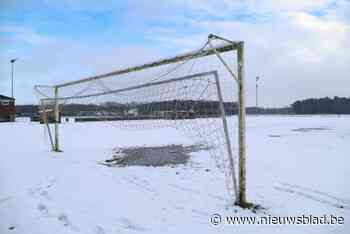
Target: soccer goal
[{"x": 198, "y": 93}]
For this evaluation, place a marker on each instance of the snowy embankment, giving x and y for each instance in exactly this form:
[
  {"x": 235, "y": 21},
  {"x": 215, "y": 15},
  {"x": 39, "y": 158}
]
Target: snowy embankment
[{"x": 295, "y": 166}]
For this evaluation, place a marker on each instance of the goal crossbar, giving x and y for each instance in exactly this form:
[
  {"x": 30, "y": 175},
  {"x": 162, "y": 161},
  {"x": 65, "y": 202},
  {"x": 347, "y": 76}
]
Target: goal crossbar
[
  {"x": 209, "y": 74},
  {"x": 224, "y": 47}
]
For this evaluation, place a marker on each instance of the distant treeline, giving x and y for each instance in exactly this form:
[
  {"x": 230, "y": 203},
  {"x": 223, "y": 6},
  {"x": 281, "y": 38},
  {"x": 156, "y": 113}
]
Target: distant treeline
[
  {"x": 199, "y": 107},
  {"x": 336, "y": 105}
]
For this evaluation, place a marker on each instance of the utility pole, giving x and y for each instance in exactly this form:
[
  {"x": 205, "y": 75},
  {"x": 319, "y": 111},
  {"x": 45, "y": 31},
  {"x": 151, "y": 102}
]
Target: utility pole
[
  {"x": 256, "y": 94},
  {"x": 12, "y": 71}
]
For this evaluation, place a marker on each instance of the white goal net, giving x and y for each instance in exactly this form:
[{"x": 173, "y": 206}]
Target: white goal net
[{"x": 194, "y": 93}]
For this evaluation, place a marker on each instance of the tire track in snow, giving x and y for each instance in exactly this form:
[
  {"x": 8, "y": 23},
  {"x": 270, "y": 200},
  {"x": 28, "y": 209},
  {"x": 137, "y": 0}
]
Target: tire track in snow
[
  {"x": 342, "y": 200},
  {"x": 314, "y": 195},
  {"x": 140, "y": 184},
  {"x": 197, "y": 192}
]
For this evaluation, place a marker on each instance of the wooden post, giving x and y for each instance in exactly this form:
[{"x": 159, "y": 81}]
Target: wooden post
[
  {"x": 242, "y": 128},
  {"x": 57, "y": 120}
]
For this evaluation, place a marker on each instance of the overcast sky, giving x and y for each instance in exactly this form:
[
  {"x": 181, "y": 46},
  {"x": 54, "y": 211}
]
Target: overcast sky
[{"x": 300, "y": 49}]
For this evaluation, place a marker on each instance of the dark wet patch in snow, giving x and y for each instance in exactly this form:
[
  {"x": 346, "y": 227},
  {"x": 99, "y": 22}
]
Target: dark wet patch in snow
[{"x": 152, "y": 156}]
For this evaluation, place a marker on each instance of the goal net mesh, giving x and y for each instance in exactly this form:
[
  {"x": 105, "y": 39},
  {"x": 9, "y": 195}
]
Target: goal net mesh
[{"x": 183, "y": 95}]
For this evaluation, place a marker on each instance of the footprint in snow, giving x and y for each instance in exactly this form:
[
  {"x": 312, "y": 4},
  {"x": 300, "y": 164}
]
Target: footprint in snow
[
  {"x": 43, "y": 209},
  {"x": 5, "y": 199},
  {"x": 63, "y": 218},
  {"x": 99, "y": 230},
  {"x": 128, "y": 224}
]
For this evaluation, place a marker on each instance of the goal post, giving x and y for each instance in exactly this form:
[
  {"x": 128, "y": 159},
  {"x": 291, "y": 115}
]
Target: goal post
[
  {"x": 241, "y": 128},
  {"x": 227, "y": 136},
  {"x": 181, "y": 89},
  {"x": 57, "y": 120}
]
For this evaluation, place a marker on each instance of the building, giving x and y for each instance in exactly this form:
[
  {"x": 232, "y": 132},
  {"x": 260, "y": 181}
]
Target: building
[
  {"x": 7, "y": 109},
  {"x": 46, "y": 115},
  {"x": 133, "y": 112}
]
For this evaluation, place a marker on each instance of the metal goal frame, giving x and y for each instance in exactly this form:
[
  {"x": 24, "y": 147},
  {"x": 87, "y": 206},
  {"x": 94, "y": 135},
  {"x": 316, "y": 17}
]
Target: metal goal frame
[{"x": 226, "y": 46}]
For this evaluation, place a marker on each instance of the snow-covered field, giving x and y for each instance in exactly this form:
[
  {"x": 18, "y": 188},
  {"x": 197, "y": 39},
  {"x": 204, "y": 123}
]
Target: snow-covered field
[{"x": 296, "y": 165}]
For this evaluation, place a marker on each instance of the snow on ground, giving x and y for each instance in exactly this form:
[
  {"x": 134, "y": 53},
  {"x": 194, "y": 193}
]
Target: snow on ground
[{"x": 296, "y": 165}]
